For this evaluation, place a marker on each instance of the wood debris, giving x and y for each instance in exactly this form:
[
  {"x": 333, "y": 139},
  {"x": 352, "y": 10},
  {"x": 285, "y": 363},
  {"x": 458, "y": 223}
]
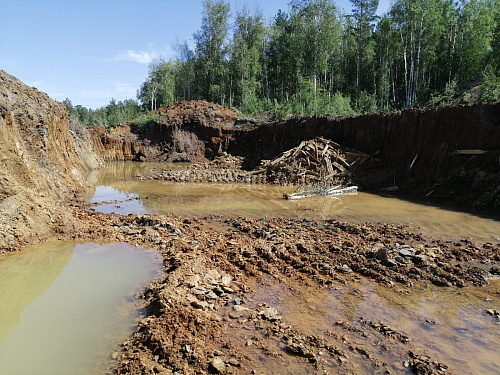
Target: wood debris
[
  {"x": 334, "y": 190},
  {"x": 312, "y": 162}
]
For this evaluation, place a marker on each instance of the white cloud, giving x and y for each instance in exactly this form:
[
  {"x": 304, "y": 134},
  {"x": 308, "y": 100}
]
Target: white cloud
[
  {"x": 124, "y": 89},
  {"x": 142, "y": 57},
  {"x": 119, "y": 90}
]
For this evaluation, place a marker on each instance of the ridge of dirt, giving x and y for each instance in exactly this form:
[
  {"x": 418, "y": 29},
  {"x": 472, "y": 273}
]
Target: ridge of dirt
[{"x": 41, "y": 164}]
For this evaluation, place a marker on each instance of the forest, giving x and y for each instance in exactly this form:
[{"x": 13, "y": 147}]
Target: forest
[{"x": 316, "y": 59}]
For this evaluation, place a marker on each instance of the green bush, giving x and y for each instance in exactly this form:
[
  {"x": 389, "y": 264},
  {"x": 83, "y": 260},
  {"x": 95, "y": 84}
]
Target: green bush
[{"x": 490, "y": 87}]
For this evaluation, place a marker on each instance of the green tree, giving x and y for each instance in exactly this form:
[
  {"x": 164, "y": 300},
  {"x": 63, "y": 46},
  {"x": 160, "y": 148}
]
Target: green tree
[
  {"x": 418, "y": 24},
  {"x": 211, "y": 52},
  {"x": 476, "y": 25},
  {"x": 245, "y": 60},
  {"x": 364, "y": 14},
  {"x": 319, "y": 38},
  {"x": 185, "y": 72},
  {"x": 159, "y": 88}
]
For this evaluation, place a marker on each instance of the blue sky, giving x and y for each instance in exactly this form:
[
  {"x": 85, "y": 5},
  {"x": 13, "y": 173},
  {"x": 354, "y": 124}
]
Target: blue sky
[{"x": 91, "y": 51}]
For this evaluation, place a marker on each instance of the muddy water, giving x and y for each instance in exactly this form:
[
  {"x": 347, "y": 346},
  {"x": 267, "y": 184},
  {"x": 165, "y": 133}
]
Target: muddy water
[
  {"x": 65, "y": 307},
  {"x": 449, "y": 325},
  {"x": 124, "y": 193}
]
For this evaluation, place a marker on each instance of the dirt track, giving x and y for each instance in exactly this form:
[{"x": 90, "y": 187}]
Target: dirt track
[{"x": 199, "y": 321}]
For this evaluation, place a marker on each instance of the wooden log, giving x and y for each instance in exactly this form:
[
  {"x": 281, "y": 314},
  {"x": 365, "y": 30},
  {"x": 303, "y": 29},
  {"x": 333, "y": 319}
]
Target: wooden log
[
  {"x": 338, "y": 166},
  {"x": 329, "y": 166},
  {"x": 469, "y": 152},
  {"x": 298, "y": 149},
  {"x": 324, "y": 150}
]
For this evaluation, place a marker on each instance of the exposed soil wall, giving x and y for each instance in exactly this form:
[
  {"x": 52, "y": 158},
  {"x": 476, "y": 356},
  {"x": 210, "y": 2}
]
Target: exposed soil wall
[
  {"x": 416, "y": 147},
  {"x": 184, "y": 132},
  {"x": 41, "y": 164}
]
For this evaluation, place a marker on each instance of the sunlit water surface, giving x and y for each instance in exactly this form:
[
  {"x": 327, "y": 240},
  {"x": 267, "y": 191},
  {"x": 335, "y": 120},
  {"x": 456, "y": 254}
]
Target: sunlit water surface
[
  {"x": 449, "y": 324},
  {"x": 65, "y": 307},
  {"x": 118, "y": 185}
]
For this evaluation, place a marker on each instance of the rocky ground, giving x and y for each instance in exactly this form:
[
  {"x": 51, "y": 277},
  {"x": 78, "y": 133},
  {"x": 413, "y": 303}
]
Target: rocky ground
[{"x": 200, "y": 315}]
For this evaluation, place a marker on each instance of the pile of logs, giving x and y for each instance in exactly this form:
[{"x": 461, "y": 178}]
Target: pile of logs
[{"x": 312, "y": 162}]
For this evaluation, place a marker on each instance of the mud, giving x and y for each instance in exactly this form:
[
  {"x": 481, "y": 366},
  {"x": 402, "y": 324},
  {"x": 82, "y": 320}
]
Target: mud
[
  {"x": 197, "y": 322},
  {"x": 200, "y": 315}
]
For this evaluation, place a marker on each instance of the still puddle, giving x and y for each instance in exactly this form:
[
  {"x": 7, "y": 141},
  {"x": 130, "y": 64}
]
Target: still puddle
[
  {"x": 450, "y": 325},
  {"x": 66, "y": 306},
  {"x": 118, "y": 182}
]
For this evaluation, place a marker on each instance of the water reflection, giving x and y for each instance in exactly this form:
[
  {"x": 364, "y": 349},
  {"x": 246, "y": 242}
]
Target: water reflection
[
  {"x": 203, "y": 199},
  {"x": 450, "y": 324},
  {"x": 25, "y": 276},
  {"x": 63, "y": 305}
]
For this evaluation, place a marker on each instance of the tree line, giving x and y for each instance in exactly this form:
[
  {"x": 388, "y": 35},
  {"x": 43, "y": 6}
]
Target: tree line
[{"x": 314, "y": 58}]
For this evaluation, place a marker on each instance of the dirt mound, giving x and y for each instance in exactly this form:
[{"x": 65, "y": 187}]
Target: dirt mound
[
  {"x": 41, "y": 164},
  {"x": 199, "y": 111}
]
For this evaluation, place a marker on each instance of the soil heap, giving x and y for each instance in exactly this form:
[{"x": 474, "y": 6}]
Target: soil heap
[{"x": 41, "y": 165}]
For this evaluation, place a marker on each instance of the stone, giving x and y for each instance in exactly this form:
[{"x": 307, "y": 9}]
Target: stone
[
  {"x": 198, "y": 291},
  {"x": 226, "y": 280},
  {"x": 239, "y": 308},
  {"x": 199, "y": 304},
  {"x": 218, "y": 365},
  {"x": 406, "y": 252},
  {"x": 234, "y": 362},
  {"x": 211, "y": 295},
  {"x": 270, "y": 313},
  {"x": 382, "y": 254}
]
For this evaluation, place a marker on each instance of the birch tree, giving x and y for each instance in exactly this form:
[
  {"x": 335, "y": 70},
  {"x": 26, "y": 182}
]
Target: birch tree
[
  {"x": 364, "y": 14},
  {"x": 211, "y": 51},
  {"x": 246, "y": 53}
]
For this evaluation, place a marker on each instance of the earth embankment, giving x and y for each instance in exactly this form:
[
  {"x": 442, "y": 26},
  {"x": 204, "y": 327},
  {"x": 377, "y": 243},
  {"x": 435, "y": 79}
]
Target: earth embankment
[
  {"x": 42, "y": 164},
  {"x": 448, "y": 153}
]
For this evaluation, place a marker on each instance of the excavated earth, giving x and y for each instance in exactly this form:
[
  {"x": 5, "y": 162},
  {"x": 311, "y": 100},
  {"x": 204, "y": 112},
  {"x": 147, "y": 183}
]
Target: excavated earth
[
  {"x": 201, "y": 317},
  {"x": 198, "y": 319},
  {"x": 448, "y": 154}
]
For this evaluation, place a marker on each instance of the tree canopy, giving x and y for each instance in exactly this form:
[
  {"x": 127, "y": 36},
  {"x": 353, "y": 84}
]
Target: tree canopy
[{"x": 314, "y": 59}]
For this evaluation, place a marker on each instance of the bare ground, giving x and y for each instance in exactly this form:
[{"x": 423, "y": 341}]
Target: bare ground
[{"x": 198, "y": 323}]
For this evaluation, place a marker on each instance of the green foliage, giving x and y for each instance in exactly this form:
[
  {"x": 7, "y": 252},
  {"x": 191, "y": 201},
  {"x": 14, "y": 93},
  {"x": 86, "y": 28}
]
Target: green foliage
[
  {"x": 245, "y": 63},
  {"x": 490, "y": 87},
  {"x": 115, "y": 113},
  {"x": 139, "y": 122},
  {"x": 367, "y": 102},
  {"x": 446, "y": 97},
  {"x": 311, "y": 59},
  {"x": 211, "y": 50}
]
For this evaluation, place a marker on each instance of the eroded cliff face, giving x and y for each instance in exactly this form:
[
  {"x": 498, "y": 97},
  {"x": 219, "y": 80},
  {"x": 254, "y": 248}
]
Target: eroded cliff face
[
  {"x": 416, "y": 148},
  {"x": 41, "y": 166},
  {"x": 183, "y": 132}
]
